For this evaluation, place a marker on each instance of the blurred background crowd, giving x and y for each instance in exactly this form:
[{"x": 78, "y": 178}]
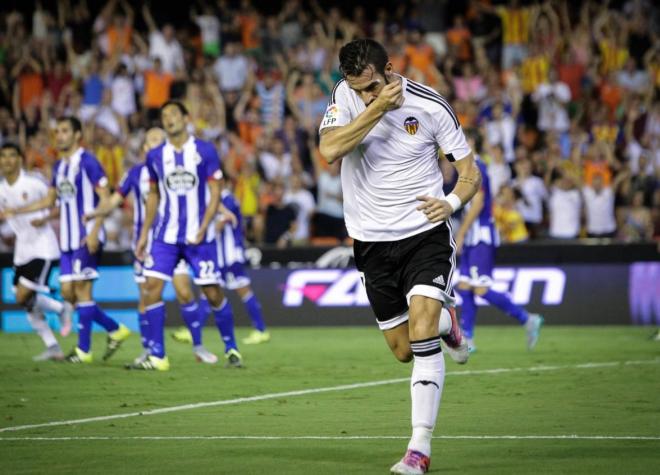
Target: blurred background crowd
[{"x": 560, "y": 99}]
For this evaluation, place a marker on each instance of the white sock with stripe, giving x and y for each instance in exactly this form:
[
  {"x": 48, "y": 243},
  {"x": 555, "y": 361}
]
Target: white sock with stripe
[
  {"x": 48, "y": 304},
  {"x": 40, "y": 325},
  {"x": 426, "y": 384}
]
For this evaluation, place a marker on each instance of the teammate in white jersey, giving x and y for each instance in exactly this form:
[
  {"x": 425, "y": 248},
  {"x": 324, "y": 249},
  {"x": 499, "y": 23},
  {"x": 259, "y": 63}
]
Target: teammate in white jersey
[
  {"x": 35, "y": 250},
  {"x": 387, "y": 130},
  {"x": 79, "y": 183}
]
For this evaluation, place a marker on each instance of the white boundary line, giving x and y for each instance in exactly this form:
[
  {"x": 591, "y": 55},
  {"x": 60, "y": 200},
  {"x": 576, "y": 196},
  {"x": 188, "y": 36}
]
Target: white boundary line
[
  {"x": 303, "y": 392},
  {"x": 346, "y": 437}
]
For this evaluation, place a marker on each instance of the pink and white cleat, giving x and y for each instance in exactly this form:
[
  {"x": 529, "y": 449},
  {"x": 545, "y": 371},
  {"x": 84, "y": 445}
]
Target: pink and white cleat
[
  {"x": 454, "y": 343},
  {"x": 413, "y": 463}
]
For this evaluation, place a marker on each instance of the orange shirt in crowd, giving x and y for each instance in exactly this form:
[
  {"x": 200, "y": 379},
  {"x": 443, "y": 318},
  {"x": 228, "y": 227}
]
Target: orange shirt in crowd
[
  {"x": 32, "y": 88},
  {"x": 593, "y": 168},
  {"x": 515, "y": 25},
  {"x": 119, "y": 39},
  {"x": 610, "y": 94},
  {"x": 421, "y": 57},
  {"x": 459, "y": 38},
  {"x": 156, "y": 88},
  {"x": 249, "y": 26}
]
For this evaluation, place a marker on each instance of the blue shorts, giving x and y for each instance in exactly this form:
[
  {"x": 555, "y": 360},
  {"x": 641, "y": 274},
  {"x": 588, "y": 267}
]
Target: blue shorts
[
  {"x": 234, "y": 276},
  {"x": 165, "y": 258},
  {"x": 477, "y": 263},
  {"x": 79, "y": 265}
]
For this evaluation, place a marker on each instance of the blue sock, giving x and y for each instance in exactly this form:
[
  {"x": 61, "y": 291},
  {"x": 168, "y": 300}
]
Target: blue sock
[
  {"x": 204, "y": 310},
  {"x": 104, "y": 320},
  {"x": 468, "y": 312},
  {"x": 191, "y": 315},
  {"x": 144, "y": 329},
  {"x": 253, "y": 308},
  {"x": 504, "y": 303},
  {"x": 156, "y": 317},
  {"x": 85, "y": 319},
  {"x": 224, "y": 320}
]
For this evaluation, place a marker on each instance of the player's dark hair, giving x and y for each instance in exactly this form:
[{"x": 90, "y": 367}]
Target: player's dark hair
[
  {"x": 12, "y": 146},
  {"x": 356, "y": 56},
  {"x": 178, "y": 104},
  {"x": 75, "y": 123}
]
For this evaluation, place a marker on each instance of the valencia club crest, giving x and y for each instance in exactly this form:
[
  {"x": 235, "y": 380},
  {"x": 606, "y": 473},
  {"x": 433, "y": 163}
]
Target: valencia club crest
[{"x": 411, "y": 125}]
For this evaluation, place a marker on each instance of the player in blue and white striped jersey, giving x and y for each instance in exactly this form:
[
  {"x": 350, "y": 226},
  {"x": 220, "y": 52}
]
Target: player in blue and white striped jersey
[
  {"x": 476, "y": 242},
  {"x": 185, "y": 194},
  {"x": 137, "y": 181},
  {"x": 79, "y": 184},
  {"x": 231, "y": 262}
]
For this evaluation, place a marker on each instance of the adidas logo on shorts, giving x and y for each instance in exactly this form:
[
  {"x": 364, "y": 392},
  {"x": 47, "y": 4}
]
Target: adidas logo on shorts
[{"x": 440, "y": 280}]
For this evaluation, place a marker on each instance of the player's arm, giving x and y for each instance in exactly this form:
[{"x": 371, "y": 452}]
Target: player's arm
[
  {"x": 476, "y": 205},
  {"x": 105, "y": 208},
  {"x": 226, "y": 216},
  {"x": 46, "y": 202},
  {"x": 211, "y": 209},
  {"x": 92, "y": 239},
  {"x": 336, "y": 142},
  {"x": 151, "y": 207}
]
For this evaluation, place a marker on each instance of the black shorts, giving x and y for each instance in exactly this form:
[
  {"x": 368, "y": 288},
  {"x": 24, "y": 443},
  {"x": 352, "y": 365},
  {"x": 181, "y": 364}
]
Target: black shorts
[
  {"x": 394, "y": 271},
  {"x": 34, "y": 275}
]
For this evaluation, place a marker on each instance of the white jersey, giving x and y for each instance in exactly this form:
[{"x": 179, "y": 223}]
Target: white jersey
[
  {"x": 31, "y": 242},
  {"x": 396, "y": 162}
]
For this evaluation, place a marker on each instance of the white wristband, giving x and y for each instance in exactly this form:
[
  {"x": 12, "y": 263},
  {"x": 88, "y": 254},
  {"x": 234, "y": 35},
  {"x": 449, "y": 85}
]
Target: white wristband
[{"x": 454, "y": 201}]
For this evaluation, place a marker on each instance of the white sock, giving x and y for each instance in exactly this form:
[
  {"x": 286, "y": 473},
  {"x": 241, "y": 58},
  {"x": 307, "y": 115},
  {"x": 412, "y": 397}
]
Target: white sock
[
  {"x": 445, "y": 321},
  {"x": 426, "y": 384},
  {"x": 39, "y": 324},
  {"x": 48, "y": 304}
]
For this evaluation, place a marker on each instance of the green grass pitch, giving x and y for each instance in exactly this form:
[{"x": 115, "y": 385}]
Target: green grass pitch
[{"x": 576, "y": 382}]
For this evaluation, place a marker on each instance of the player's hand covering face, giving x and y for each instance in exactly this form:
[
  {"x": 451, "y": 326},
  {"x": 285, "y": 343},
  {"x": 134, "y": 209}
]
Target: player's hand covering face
[{"x": 378, "y": 90}]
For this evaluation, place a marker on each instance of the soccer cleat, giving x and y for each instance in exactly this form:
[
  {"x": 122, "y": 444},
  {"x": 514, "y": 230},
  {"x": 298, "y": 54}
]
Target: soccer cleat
[
  {"x": 234, "y": 359},
  {"x": 52, "y": 353},
  {"x": 413, "y": 463},
  {"x": 139, "y": 360},
  {"x": 256, "y": 337},
  {"x": 78, "y": 356},
  {"x": 65, "y": 318},
  {"x": 472, "y": 348},
  {"x": 533, "y": 329},
  {"x": 204, "y": 356},
  {"x": 115, "y": 339},
  {"x": 454, "y": 343},
  {"x": 151, "y": 363},
  {"x": 656, "y": 336},
  {"x": 182, "y": 335}
]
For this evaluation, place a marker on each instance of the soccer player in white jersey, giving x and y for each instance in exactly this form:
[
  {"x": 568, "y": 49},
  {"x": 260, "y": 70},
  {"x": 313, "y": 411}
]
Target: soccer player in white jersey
[
  {"x": 387, "y": 129},
  {"x": 79, "y": 183},
  {"x": 185, "y": 192},
  {"x": 136, "y": 181},
  {"x": 35, "y": 250}
]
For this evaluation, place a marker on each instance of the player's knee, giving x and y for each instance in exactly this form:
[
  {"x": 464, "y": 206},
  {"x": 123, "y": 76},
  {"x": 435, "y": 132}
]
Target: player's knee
[
  {"x": 403, "y": 353},
  {"x": 68, "y": 294},
  {"x": 213, "y": 294},
  {"x": 185, "y": 296},
  {"x": 25, "y": 299},
  {"x": 152, "y": 291}
]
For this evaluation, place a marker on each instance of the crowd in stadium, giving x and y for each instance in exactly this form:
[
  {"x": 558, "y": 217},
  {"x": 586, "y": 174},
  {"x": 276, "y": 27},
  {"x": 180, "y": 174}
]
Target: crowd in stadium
[{"x": 560, "y": 99}]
